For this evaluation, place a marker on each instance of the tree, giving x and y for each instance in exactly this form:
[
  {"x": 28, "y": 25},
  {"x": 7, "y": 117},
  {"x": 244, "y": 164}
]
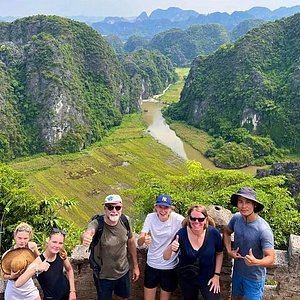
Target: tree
[
  {"x": 208, "y": 187},
  {"x": 18, "y": 205}
]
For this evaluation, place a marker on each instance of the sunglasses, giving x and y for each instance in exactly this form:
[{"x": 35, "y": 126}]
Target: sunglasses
[
  {"x": 197, "y": 219},
  {"x": 56, "y": 230},
  {"x": 23, "y": 228},
  {"x": 111, "y": 207}
]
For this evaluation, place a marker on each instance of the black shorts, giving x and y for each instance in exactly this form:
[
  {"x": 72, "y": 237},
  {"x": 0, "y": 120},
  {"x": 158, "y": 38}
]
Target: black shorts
[{"x": 166, "y": 279}]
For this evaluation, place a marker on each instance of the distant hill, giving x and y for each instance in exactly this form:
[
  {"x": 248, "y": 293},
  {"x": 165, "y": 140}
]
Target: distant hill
[
  {"x": 162, "y": 20},
  {"x": 254, "y": 83},
  {"x": 182, "y": 46}
]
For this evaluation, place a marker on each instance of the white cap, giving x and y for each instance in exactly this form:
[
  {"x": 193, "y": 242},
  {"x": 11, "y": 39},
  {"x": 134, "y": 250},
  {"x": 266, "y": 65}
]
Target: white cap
[{"x": 112, "y": 199}]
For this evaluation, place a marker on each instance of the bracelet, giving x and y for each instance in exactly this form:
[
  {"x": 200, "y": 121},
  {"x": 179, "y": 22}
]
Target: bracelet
[
  {"x": 218, "y": 274},
  {"x": 72, "y": 291}
]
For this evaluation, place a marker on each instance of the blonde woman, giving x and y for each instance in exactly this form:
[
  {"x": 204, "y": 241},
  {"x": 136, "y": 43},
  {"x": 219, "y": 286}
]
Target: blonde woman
[
  {"x": 22, "y": 236},
  {"x": 198, "y": 243},
  {"x": 49, "y": 268}
]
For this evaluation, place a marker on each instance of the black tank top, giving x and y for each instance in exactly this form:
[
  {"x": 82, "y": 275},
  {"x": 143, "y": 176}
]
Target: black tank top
[{"x": 54, "y": 283}]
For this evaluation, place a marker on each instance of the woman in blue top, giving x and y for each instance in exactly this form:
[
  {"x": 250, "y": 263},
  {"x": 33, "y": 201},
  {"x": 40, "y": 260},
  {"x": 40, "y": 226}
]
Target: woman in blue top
[{"x": 198, "y": 241}]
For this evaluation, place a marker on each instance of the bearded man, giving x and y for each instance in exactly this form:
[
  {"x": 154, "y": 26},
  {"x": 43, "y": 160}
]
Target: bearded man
[{"x": 110, "y": 237}]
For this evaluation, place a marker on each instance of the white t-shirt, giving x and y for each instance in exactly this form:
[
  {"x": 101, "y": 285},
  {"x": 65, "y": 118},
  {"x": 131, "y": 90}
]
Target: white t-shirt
[{"x": 162, "y": 233}]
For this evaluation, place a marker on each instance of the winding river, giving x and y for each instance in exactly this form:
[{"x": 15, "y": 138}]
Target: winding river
[{"x": 161, "y": 131}]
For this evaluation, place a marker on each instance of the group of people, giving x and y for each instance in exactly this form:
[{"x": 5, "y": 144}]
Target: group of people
[
  {"x": 52, "y": 268},
  {"x": 186, "y": 251}
]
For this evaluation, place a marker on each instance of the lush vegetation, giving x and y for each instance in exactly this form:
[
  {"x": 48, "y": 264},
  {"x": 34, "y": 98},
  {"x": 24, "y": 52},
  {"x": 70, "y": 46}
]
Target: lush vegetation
[
  {"x": 207, "y": 187},
  {"x": 252, "y": 84},
  {"x": 182, "y": 46},
  {"x": 17, "y": 204},
  {"x": 149, "y": 71},
  {"x": 62, "y": 87}
]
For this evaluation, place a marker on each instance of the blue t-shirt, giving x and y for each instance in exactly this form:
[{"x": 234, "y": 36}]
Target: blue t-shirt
[
  {"x": 256, "y": 235},
  {"x": 207, "y": 259}
]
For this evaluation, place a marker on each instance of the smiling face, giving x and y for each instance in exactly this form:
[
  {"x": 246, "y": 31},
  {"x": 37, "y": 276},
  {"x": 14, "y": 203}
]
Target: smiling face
[
  {"x": 197, "y": 220},
  {"x": 163, "y": 212},
  {"x": 113, "y": 212},
  {"x": 245, "y": 206},
  {"x": 55, "y": 243}
]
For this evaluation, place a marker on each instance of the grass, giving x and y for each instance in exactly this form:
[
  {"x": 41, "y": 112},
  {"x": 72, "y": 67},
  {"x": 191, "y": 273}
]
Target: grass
[
  {"x": 108, "y": 167},
  {"x": 173, "y": 92}
]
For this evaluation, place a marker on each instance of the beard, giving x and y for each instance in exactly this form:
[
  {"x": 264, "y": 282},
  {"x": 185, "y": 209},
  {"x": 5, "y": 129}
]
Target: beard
[{"x": 114, "y": 218}]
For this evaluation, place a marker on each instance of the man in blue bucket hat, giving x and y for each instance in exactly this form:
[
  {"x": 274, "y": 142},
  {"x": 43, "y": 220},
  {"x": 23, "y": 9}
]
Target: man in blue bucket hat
[{"x": 253, "y": 247}]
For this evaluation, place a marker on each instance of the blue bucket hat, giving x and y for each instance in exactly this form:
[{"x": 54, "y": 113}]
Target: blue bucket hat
[
  {"x": 164, "y": 200},
  {"x": 247, "y": 193}
]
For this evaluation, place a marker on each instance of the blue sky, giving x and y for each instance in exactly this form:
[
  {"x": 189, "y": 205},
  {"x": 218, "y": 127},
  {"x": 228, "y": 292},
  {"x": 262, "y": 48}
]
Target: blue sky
[{"x": 128, "y": 7}]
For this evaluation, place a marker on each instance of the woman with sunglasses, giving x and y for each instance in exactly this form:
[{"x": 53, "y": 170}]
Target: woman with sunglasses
[
  {"x": 49, "y": 270},
  {"x": 201, "y": 243},
  {"x": 22, "y": 236},
  {"x": 158, "y": 231}
]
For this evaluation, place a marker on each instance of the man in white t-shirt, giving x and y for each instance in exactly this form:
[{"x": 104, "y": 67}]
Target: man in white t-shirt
[{"x": 158, "y": 232}]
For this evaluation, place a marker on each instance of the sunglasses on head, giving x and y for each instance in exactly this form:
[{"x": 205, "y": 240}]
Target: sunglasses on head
[
  {"x": 56, "y": 230},
  {"x": 197, "y": 219},
  {"x": 111, "y": 207}
]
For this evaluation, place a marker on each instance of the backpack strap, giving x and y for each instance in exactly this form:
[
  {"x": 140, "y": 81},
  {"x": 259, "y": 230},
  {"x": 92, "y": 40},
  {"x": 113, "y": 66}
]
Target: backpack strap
[{"x": 97, "y": 237}]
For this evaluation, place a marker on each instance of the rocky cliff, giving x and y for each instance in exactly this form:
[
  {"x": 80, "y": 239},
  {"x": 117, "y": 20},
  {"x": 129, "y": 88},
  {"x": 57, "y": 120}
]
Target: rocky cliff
[{"x": 61, "y": 86}]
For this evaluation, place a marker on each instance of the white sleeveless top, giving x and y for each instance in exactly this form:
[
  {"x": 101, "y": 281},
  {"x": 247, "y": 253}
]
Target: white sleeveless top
[{"x": 28, "y": 291}]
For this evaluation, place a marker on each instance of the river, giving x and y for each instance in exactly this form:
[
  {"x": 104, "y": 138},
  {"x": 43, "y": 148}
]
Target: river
[{"x": 161, "y": 131}]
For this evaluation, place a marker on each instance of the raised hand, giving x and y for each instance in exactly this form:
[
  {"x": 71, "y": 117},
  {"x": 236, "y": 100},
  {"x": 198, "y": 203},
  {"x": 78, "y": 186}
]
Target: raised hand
[
  {"x": 235, "y": 253},
  {"x": 250, "y": 259},
  {"x": 175, "y": 244},
  {"x": 87, "y": 237}
]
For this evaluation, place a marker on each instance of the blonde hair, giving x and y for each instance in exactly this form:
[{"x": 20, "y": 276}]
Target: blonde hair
[
  {"x": 24, "y": 227},
  {"x": 201, "y": 209}
]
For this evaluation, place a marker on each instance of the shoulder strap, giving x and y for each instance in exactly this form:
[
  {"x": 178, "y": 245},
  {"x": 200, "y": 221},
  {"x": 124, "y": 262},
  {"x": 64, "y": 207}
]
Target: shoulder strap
[{"x": 97, "y": 237}]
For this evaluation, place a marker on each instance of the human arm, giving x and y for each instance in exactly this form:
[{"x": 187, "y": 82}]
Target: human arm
[
  {"x": 88, "y": 234},
  {"x": 233, "y": 253},
  {"x": 267, "y": 260},
  {"x": 144, "y": 238},
  {"x": 133, "y": 252},
  {"x": 36, "y": 267},
  {"x": 215, "y": 280},
  {"x": 33, "y": 247},
  {"x": 70, "y": 273},
  {"x": 171, "y": 249}
]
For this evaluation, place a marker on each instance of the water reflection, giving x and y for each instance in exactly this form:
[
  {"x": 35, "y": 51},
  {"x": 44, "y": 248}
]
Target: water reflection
[{"x": 166, "y": 136}]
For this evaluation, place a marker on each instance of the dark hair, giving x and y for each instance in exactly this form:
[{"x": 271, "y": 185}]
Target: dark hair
[
  {"x": 57, "y": 231},
  {"x": 201, "y": 209}
]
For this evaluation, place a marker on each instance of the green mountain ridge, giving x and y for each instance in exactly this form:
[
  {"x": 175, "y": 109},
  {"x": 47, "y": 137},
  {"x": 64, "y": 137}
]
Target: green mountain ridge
[
  {"x": 63, "y": 86},
  {"x": 253, "y": 83}
]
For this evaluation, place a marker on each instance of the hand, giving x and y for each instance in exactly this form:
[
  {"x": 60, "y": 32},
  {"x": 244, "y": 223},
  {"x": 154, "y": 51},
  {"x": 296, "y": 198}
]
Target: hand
[
  {"x": 250, "y": 259},
  {"x": 43, "y": 266},
  {"x": 72, "y": 296},
  {"x": 235, "y": 253},
  {"x": 15, "y": 275},
  {"x": 148, "y": 239},
  {"x": 175, "y": 244},
  {"x": 87, "y": 237},
  {"x": 215, "y": 284},
  {"x": 135, "y": 273}
]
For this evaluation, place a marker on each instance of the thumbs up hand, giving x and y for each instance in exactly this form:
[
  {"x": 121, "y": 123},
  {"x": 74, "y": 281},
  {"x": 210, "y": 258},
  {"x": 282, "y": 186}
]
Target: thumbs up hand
[
  {"x": 175, "y": 244},
  {"x": 148, "y": 239},
  {"x": 250, "y": 259},
  {"x": 87, "y": 237}
]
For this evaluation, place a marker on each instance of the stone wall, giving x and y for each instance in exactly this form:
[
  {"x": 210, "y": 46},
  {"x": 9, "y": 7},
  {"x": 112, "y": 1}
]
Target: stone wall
[{"x": 284, "y": 275}]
